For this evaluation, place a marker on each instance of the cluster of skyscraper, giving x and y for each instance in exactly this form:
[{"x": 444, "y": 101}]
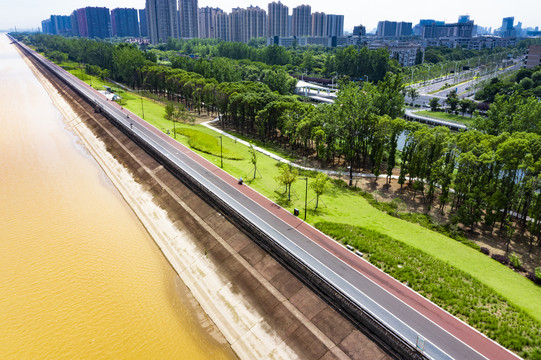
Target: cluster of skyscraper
[
  {"x": 97, "y": 22},
  {"x": 426, "y": 29},
  {"x": 161, "y": 19},
  {"x": 241, "y": 24}
]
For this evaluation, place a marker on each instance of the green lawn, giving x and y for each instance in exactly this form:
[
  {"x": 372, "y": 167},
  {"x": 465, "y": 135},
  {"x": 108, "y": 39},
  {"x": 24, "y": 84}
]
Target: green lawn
[
  {"x": 446, "y": 116},
  {"x": 341, "y": 205},
  {"x": 446, "y": 286}
]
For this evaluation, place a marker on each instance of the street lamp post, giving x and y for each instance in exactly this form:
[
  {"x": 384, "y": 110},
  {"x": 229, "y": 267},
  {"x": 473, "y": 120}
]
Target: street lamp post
[
  {"x": 305, "y": 196},
  {"x": 221, "y": 152},
  {"x": 428, "y": 71},
  {"x": 142, "y": 109}
]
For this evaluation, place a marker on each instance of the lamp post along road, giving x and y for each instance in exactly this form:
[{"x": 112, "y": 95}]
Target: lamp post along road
[
  {"x": 221, "y": 152},
  {"x": 142, "y": 109},
  {"x": 305, "y": 196}
]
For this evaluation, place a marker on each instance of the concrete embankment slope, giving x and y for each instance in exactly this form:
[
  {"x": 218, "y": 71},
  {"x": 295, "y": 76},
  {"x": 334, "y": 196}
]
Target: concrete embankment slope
[{"x": 259, "y": 306}]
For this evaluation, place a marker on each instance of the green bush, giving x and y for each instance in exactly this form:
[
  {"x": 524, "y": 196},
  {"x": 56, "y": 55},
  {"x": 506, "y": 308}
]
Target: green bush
[
  {"x": 448, "y": 287},
  {"x": 515, "y": 261}
]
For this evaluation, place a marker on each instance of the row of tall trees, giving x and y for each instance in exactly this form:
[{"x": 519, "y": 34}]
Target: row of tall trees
[
  {"x": 525, "y": 83},
  {"x": 490, "y": 179},
  {"x": 513, "y": 113},
  {"x": 227, "y": 70},
  {"x": 371, "y": 65}
]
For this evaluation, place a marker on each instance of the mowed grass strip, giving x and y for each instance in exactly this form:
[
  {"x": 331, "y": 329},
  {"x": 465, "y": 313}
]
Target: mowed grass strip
[
  {"x": 452, "y": 289},
  {"x": 446, "y": 116},
  {"x": 207, "y": 143}
]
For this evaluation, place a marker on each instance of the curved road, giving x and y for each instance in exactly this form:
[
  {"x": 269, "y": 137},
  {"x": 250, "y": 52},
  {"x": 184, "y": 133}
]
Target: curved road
[{"x": 402, "y": 310}]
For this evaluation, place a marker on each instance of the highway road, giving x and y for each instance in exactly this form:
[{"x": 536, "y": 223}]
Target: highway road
[
  {"x": 464, "y": 89},
  {"x": 397, "y": 307}
]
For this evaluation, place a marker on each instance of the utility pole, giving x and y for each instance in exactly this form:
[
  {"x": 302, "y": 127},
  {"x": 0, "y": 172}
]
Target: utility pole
[{"x": 142, "y": 109}]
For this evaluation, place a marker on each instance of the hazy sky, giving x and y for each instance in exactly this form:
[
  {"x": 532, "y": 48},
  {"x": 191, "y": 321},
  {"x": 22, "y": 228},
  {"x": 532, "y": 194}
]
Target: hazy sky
[{"x": 29, "y": 13}]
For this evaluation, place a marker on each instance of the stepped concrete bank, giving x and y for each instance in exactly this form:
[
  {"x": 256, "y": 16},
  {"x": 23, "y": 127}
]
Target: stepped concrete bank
[{"x": 282, "y": 308}]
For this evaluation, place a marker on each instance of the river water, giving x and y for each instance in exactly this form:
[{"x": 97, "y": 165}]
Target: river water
[{"x": 80, "y": 276}]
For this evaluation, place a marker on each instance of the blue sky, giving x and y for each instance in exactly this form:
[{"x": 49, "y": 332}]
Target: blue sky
[{"x": 29, "y": 13}]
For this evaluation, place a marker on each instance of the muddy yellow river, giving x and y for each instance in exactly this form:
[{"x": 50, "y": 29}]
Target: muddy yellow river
[{"x": 80, "y": 278}]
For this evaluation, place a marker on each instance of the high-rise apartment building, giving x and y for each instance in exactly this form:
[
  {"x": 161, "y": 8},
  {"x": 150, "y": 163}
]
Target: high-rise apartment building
[
  {"x": 302, "y": 20},
  {"x": 403, "y": 29},
  {"x": 223, "y": 28},
  {"x": 254, "y": 23},
  {"x": 335, "y": 25},
  {"x": 207, "y": 22},
  {"x": 386, "y": 29},
  {"x": 277, "y": 19},
  {"x": 189, "y": 20},
  {"x": 319, "y": 24},
  {"x": 394, "y": 29},
  {"x": 248, "y": 23},
  {"x": 508, "y": 28},
  {"x": 57, "y": 25},
  {"x": 75, "y": 23},
  {"x": 507, "y": 23},
  {"x": 46, "y": 26},
  {"x": 359, "y": 30},
  {"x": 290, "y": 25},
  {"x": 92, "y": 22},
  {"x": 533, "y": 57},
  {"x": 245, "y": 24},
  {"x": 98, "y": 20},
  {"x": 162, "y": 20},
  {"x": 143, "y": 27},
  {"x": 124, "y": 22},
  {"x": 61, "y": 24},
  {"x": 457, "y": 30},
  {"x": 235, "y": 25}
]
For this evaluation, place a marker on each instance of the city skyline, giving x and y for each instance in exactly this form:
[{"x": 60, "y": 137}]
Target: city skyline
[{"x": 28, "y": 14}]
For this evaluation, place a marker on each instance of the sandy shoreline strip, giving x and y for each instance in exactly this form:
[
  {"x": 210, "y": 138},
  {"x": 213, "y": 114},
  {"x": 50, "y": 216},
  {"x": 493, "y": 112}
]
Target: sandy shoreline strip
[{"x": 246, "y": 330}]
